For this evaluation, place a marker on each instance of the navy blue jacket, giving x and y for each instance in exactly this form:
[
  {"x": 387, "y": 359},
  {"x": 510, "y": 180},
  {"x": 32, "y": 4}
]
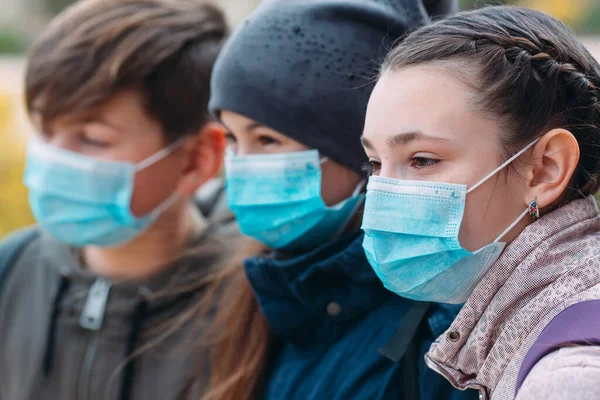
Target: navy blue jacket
[{"x": 330, "y": 315}]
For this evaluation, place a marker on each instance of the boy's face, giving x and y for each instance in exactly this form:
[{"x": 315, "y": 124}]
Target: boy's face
[
  {"x": 120, "y": 130},
  {"x": 246, "y": 136}
]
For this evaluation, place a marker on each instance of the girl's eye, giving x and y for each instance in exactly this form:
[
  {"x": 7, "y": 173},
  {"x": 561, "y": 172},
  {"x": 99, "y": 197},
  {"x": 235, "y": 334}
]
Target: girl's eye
[
  {"x": 267, "y": 140},
  {"x": 372, "y": 167},
  {"x": 422, "y": 162},
  {"x": 230, "y": 137}
]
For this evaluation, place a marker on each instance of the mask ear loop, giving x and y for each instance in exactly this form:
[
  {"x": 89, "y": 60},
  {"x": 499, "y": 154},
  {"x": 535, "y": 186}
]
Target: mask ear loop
[
  {"x": 501, "y": 167},
  {"x": 360, "y": 187},
  {"x": 159, "y": 155},
  {"x": 494, "y": 172},
  {"x": 523, "y": 215}
]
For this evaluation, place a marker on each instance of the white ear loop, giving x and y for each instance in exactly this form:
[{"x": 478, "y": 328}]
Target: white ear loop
[
  {"x": 360, "y": 187},
  {"x": 494, "y": 172},
  {"x": 159, "y": 155},
  {"x": 501, "y": 167},
  {"x": 512, "y": 225}
]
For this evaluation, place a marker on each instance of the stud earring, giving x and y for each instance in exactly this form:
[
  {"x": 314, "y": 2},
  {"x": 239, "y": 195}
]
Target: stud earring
[{"x": 534, "y": 210}]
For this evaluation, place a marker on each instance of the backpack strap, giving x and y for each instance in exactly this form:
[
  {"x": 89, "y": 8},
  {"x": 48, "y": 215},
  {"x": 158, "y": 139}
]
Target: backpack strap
[
  {"x": 578, "y": 324},
  {"x": 403, "y": 347},
  {"x": 12, "y": 247}
]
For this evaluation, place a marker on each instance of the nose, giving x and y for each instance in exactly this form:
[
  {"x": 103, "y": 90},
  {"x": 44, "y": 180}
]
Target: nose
[
  {"x": 390, "y": 169},
  {"x": 246, "y": 147}
]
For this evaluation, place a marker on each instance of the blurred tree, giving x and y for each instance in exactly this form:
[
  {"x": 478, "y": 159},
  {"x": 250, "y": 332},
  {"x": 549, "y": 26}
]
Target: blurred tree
[
  {"x": 582, "y": 15},
  {"x": 56, "y": 6},
  {"x": 11, "y": 42},
  {"x": 568, "y": 11},
  {"x": 14, "y": 207}
]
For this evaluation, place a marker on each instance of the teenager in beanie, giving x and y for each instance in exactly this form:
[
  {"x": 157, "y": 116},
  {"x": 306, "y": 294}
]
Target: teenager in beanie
[
  {"x": 308, "y": 319},
  {"x": 99, "y": 301}
]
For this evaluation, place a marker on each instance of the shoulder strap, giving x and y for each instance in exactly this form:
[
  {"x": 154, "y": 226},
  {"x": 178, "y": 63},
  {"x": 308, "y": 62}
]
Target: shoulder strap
[
  {"x": 403, "y": 347},
  {"x": 578, "y": 324},
  {"x": 12, "y": 247}
]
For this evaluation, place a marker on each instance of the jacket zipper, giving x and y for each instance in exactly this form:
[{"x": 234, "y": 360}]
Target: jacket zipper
[
  {"x": 84, "y": 392},
  {"x": 434, "y": 365},
  {"x": 91, "y": 319}
]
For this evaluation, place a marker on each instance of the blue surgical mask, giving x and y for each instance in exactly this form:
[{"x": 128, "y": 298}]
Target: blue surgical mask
[
  {"x": 84, "y": 201},
  {"x": 276, "y": 199},
  {"x": 411, "y": 238}
]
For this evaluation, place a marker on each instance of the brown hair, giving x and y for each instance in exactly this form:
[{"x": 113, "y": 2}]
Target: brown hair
[
  {"x": 97, "y": 48},
  {"x": 239, "y": 336},
  {"x": 527, "y": 70}
]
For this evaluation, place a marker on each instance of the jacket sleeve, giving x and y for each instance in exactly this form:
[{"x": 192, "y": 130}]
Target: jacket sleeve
[{"x": 568, "y": 373}]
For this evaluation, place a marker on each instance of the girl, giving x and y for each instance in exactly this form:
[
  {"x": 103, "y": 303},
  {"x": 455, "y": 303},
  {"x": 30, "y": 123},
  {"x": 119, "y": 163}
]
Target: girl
[
  {"x": 483, "y": 167},
  {"x": 291, "y": 87}
]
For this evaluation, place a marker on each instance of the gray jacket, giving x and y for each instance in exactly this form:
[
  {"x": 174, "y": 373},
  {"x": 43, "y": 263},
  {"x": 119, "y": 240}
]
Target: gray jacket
[{"x": 67, "y": 334}]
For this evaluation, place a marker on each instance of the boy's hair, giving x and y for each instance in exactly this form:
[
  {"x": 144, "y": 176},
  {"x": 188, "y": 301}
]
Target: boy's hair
[{"x": 165, "y": 49}]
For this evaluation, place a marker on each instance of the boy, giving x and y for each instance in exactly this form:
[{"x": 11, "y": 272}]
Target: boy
[{"x": 99, "y": 299}]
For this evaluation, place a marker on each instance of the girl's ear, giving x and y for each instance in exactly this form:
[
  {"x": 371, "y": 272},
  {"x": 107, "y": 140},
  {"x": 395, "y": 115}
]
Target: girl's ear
[
  {"x": 553, "y": 162},
  {"x": 206, "y": 153}
]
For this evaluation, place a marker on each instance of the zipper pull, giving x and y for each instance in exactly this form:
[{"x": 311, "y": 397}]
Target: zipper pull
[{"x": 94, "y": 308}]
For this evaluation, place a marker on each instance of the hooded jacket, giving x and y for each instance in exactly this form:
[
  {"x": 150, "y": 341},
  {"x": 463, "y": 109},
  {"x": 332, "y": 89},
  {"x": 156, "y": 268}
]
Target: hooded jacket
[
  {"x": 333, "y": 320},
  {"x": 553, "y": 264},
  {"x": 68, "y": 334}
]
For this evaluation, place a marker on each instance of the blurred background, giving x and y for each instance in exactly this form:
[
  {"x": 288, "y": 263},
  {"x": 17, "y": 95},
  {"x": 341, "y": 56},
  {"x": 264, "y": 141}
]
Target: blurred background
[{"x": 22, "y": 20}]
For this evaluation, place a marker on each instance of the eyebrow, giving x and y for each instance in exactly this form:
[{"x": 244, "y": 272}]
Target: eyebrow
[
  {"x": 249, "y": 127},
  {"x": 98, "y": 119},
  {"x": 402, "y": 139},
  {"x": 253, "y": 125}
]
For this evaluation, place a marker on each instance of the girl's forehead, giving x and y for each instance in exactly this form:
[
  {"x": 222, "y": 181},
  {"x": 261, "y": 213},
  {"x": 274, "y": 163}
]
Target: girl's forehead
[{"x": 421, "y": 100}]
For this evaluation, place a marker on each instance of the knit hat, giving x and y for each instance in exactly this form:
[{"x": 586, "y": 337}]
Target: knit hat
[{"x": 306, "y": 68}]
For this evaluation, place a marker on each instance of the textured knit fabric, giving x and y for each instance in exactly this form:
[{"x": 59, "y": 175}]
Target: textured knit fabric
[
  {"x": 552, "y": 264},
  {"x": 306, "y": 68},
  {"x": 568, "y": 373}
]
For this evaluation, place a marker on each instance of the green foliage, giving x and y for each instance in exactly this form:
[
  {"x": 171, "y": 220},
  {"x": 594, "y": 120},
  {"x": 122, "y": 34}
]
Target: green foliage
[
  {"x": 11, "y": 42},
  {"x": 56, "y": 6},
  {"x": 590, "y": 23}
]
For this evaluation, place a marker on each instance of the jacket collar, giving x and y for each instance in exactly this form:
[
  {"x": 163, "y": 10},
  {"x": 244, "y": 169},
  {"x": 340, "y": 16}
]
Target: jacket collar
[
  {"x": 318, "y": 294},
  {"x": 165, "y": 292},
  {"x": 535, "y": 274}
]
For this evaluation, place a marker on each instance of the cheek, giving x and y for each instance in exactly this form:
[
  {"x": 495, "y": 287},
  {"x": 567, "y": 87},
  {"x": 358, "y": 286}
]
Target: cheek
[
  {"x": 489, "y": 210},
  {"x": 153, "y": 186},
  {"x": 338, "y": 183}
]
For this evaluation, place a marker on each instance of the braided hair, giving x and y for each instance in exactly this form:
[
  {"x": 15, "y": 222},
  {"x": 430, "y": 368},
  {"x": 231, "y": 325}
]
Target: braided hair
[{"x": 527, "y": 70}]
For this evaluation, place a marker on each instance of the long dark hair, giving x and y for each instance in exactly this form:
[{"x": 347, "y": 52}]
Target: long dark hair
[
  {"x": 239, "y": 334},
  {"x": 527, "y": 70}
]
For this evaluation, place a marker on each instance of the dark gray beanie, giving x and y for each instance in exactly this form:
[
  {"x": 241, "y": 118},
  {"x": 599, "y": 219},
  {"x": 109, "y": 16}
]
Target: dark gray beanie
[{"x": 306, "y": 68}]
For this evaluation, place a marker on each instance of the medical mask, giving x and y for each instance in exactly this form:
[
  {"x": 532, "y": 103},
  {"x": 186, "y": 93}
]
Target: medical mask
[
  {"x": 84, "y": 201},
  {"x": 411, "y": 238},
  {"x": 276, "y": 199}
]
